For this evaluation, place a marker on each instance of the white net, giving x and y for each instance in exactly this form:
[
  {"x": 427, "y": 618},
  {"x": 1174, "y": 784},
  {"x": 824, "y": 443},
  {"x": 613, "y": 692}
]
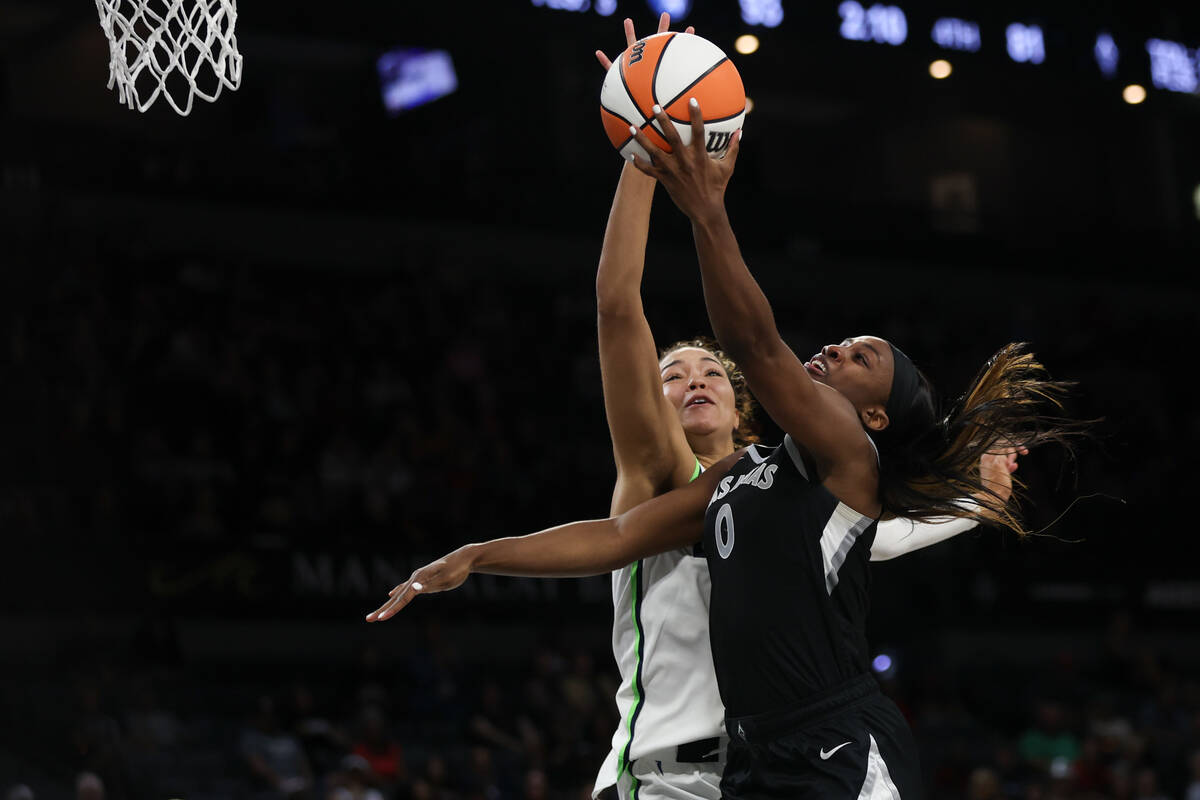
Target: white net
[{"x": 181, "y": 49}]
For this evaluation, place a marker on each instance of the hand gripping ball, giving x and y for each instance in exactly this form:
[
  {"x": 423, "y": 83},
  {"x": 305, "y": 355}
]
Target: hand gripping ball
[{"x": 668, "y": 69}]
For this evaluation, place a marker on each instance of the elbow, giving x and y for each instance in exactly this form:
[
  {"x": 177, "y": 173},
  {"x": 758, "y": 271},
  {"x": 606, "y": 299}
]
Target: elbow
[{"x": 615, "y": 304}]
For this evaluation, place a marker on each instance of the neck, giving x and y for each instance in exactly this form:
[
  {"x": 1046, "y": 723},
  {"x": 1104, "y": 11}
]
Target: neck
[{"x": 712, "y": 448}]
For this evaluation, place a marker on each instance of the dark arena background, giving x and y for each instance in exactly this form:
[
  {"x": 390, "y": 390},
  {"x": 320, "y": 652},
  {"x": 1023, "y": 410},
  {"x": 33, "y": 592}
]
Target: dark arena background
[{"x": 261, "y": 362}]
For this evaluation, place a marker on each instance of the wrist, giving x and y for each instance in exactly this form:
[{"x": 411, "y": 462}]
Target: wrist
[
  {"x": 472, "y": 555},
  {"x": 708, "y": 218}
]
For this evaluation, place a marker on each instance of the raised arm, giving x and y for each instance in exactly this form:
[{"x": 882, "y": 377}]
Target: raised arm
[
  {"x": 649, "y": 446},
  {"x": 576, "y": 549},
  {"x": 816, "y": 416},
  {"x": 651, "y": 452}
]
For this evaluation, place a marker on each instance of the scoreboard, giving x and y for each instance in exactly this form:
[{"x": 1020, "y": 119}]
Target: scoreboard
[{"x": 1167, "y": 63}]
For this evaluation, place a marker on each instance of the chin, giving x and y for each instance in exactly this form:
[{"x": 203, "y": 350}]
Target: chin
[{"x": 701, "y": 429}]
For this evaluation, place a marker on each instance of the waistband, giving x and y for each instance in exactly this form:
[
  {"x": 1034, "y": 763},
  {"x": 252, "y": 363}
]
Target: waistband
[
  {"x": 813, "y": 709},
  {"x": 686, "y": 756}
]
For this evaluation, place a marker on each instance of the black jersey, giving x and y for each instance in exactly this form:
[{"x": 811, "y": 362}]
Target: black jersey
[{"x": 790, "y": 583}]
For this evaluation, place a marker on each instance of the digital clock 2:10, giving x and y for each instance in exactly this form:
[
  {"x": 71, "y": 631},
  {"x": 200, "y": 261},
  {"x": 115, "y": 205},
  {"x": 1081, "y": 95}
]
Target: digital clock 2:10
[{"x": 878, "y": 23}]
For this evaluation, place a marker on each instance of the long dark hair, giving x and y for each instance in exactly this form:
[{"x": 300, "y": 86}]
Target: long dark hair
[{"x": 931, "y": 462}]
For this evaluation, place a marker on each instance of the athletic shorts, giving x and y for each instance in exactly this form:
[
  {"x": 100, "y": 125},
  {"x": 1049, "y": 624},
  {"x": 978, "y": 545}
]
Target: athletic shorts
[
  {"x": 655, "y": 779},
  {"x": 851, "y": 744}
]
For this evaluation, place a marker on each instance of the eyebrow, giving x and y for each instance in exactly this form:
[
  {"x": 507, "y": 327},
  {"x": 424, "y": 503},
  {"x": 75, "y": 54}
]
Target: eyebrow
[
  {"x": 871, "y": 347},
  {"x": 704, "y": 358}
]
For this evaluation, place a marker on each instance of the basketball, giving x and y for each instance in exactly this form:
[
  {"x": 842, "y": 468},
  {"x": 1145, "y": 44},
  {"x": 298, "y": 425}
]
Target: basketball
[{"x": 668, "y": 69}]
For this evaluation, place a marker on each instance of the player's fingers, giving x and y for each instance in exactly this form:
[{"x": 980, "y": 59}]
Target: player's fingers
[
  {"x": 408, "y": 590},
  {"x": 668, "y": 130},
  {"x": 735, "y": 147},
  {"x": 664, "y": 22},
  {"x": 375, "y": 615},
  {"x": 697, "y": 121},
  {"x": 604, "y": 60},
  {"x": 643, "y": 166},
  {"x": 630, "y": 36},
  {"x": 656, "y": 153},
  {"x": 689, "y": 29}
]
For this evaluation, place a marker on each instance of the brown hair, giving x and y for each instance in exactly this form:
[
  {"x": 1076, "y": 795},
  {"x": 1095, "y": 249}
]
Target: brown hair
[
  {"x": 931, "y": 462},
  {"x": 747, "y": 431}
]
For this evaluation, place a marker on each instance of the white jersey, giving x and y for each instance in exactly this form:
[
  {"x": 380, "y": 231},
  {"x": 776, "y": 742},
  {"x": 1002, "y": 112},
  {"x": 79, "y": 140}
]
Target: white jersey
[{"x": 668, "y": 694}]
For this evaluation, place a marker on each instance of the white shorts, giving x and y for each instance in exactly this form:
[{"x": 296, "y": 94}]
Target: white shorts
[{"x": 671, "y": 780}]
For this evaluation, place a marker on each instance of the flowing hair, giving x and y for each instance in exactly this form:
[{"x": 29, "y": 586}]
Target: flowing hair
[
  {"x": 931, "y": 462},
  {"x": 748, "y": 429}
]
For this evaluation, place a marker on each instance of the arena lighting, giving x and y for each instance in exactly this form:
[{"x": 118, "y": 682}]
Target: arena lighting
[
  {"x": 678, "y": 9},
  {"x": 605, "y": 8},
  {"x": 884, "y": 665},
  {"x": 1026, "y": 45},
  {"x": 1195, "y": 194},
  {"x": 956, "y": 34},
  {"x": 1107, "y": 55},
  {"x": 940, "y": 69},
  {"x": 768, "y": 13},
  {"x": 1173, "y": 66},
  {"x": 564, "y": 5},
  {"x": 1134, "y": 94},
  {"x": 746, "y": 44},
  {"x": 410, "y": 77}
]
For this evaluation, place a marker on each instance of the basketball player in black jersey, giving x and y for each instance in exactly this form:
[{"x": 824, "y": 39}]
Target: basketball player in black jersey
[{"x": 788, "y": 530}]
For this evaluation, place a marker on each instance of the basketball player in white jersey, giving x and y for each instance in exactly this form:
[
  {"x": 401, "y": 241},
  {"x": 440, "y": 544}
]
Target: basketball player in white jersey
[{"x": 669, "y": 418}]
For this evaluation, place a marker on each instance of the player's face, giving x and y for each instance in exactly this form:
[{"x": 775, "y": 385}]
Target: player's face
[
  {"x": 699, "y": 389},
  {"x": 859, "y": 368}
]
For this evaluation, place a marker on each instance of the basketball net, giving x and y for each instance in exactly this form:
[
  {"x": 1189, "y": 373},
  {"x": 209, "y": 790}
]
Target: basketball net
[{"x": 149, "y": 41}]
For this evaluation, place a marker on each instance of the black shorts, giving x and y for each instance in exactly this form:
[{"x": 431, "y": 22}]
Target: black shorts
[{"x": 851, "y": 743}]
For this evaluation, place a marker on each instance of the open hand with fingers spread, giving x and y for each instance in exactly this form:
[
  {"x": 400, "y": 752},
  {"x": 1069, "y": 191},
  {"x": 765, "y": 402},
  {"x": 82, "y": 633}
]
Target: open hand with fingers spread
[
  {"x": 664, "y": 25},
  {"x": 448, "y": 572},
  {"x": 695, "y": 180}
]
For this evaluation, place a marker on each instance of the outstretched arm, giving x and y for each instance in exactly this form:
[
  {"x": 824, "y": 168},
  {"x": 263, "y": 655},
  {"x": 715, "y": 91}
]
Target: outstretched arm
[
  {"x": 574, "y": 550},
  {"x": 649, "y": 446},
  {"x": 816, "y": 416},
  {"x": 651, "y": 452},
  {"x": 896, "y": 537}
]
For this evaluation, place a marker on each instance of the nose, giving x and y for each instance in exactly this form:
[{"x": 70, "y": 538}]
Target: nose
[
  {"x": 832, "y": 351},
  {"x": 696, "y": 383}
]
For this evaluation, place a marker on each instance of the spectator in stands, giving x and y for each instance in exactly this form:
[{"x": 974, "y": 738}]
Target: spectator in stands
[
  {"x": 1193, "y": 787},
  {"x": 88, "y": 786},
  {"x": 274, "y": 757},
  {"x": 983, "y": 784},
  {"x": 323, "y": 742},
  {"x": 1048, "y": 738},
  {"x": 536, "y": 787},
  {"x": 1146, "y": 785},
  {"x": 354, "y": 781},
  {"x": 382, "y": 753}
]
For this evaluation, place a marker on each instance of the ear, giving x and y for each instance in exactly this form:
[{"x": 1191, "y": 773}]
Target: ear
[
  {"x": 737, "y": 420},
  {"x": 874, "y": 418}
]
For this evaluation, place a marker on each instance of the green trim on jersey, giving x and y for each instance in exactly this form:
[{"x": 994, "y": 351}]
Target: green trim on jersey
[{"x": 639, "y": 695}]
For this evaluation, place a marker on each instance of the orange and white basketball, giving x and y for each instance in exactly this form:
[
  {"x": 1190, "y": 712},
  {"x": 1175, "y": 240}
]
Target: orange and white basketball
[{"x": 668, "y": 69}]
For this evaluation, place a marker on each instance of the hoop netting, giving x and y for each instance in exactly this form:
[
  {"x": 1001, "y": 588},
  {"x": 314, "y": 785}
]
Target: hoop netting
[{"x": 152, "y": 40}]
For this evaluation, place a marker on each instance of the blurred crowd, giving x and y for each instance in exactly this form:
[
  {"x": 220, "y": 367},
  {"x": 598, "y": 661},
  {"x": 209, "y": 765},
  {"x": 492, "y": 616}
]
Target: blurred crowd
[
  {"x": 197, "y": 405},
  {"x": 432, "y": 721}
]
